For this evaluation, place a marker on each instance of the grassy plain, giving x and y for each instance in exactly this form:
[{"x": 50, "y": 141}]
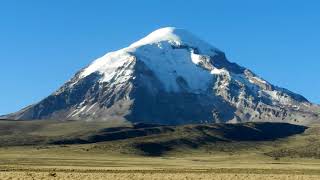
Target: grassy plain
[{"x": 291, "y": 157}]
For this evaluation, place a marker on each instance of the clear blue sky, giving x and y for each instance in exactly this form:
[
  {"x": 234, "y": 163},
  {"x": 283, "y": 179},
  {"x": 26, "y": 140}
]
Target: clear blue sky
[{"x": 44, "y": 42}]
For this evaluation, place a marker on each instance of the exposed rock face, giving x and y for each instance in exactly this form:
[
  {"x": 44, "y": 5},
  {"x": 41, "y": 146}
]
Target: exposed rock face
[{"x": 170, "y": 77}]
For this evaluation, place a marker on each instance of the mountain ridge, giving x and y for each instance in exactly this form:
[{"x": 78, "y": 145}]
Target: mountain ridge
[{"x": 170, "y": 77}]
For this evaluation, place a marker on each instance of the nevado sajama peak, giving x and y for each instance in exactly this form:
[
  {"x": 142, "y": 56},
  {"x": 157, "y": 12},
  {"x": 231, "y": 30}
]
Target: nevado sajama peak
[{"x": 170, "y": 77}]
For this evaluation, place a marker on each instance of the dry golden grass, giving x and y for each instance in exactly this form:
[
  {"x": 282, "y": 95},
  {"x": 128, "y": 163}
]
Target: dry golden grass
[
  {"x": 151, "y": 176},
  {"x": 73, "y": 162},
  {"x": 292, "y": 158}
]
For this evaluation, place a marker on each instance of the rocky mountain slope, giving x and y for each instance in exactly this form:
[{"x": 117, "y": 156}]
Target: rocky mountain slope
[{"x": 170, "y": 77}]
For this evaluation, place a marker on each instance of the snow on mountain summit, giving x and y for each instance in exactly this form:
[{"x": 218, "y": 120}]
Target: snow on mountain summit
[
  {"x": 176, "y": 36},
  {"x": 169, "y": 52}
]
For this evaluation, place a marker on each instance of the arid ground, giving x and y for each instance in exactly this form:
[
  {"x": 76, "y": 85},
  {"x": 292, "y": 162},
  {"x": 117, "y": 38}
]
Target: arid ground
[
  {"x": 157, "y": 152},
  {"x": 80, "y": 165}
]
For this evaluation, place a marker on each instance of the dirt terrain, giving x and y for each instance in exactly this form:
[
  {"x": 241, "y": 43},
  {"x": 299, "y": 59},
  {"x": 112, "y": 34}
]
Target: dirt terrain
[
  {"x": 42, "y": 150},
  {"x": 154, "y": 175}
]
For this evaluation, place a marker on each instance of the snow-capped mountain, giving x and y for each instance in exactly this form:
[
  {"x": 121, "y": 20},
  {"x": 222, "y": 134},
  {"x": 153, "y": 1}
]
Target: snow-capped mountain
[{"x": 170, "y": 77}]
